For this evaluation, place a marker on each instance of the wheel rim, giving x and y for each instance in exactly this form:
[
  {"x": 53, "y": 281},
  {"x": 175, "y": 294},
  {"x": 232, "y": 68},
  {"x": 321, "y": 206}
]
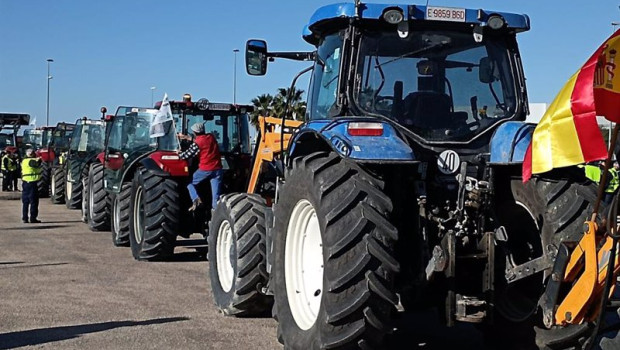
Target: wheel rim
[
  {"x": 303, "y": 264},
  {"x": 69, "y": 190},
  {"x": 138, "y": 217},
  {"x": 223, "y": 248},
  {"x": 84, "y": 207},
  {"x": 116, "y": 219},
  {"x": 91, "y": 197},
  {"x": 53, "y": 185}
]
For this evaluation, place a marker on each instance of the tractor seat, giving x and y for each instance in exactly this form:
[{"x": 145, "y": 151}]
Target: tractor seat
[{"x": 428, "y": 110}]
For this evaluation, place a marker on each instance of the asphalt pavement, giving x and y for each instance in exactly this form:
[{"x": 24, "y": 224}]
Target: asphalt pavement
[{"x": 65, "y": 287}]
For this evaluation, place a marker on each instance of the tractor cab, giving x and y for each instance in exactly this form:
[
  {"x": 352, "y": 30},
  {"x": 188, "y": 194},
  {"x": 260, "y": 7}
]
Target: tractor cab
[
  {"x": 9, "y": 126},
  {"x": 439, "y": 77},
  {"x": 37, "y": 138},
  {"x": 130, "y": 138},
  {"x": 229, "y": 124},
  {"x": 61, "y": 137}
]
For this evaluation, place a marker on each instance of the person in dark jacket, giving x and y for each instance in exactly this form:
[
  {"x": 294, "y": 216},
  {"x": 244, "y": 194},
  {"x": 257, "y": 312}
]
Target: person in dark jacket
[
  {"x": 31, "y": 175},
  {"x": 205, "y": 147},
  {"x": 14, "y": 174}
]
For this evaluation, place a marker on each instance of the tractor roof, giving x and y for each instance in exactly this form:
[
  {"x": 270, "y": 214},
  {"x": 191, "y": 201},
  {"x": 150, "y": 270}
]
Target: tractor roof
[{"x": 330, "y": 16}]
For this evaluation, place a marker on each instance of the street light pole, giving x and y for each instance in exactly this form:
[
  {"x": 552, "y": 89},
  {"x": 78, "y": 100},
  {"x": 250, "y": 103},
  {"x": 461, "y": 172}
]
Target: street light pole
[
  {"x": 235, "y": 78},
  {"x": 152, "y": 93},
  {"x": 49, "y": 77}
]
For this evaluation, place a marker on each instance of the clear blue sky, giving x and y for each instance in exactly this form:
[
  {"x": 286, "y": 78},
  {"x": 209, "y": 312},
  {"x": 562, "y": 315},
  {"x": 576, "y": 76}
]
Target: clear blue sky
[{"x": 109, "y": 53}]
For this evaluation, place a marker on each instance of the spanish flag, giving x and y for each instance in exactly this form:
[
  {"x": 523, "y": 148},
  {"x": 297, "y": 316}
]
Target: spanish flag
[{"x": 568, "y": 133}]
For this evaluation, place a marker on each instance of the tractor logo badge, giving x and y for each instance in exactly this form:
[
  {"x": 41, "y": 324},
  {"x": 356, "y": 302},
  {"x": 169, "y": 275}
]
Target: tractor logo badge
[{"x": 448, "y": 162}]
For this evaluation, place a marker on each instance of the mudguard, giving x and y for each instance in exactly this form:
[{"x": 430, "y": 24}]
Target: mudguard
[
  {"x": 387, "y": 148},
  {"x": 510, "y": 142},
  {"x": 150, "y": 165}
]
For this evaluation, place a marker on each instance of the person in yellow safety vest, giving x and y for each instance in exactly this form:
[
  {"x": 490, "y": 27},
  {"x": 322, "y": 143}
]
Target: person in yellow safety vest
[
  {"x": 15, "y": 173},
  {"x": 8, "y": 168},
  {"x": 31, "y": 175},
  {"x": 593, "y": 172},
  {"x": 613, "y": 183}
]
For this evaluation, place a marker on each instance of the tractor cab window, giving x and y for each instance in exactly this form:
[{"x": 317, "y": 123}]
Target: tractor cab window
[
  {"x": 324, "y": 85},
  {"x": 442, "y": 85},
  {"x": 76, "y": 137},
  {"x": 92, "y": 136},
  {"x": 229, "y": 129},
  {"x": 61, "y": 138},
  {"x": 131, "y": 132}
]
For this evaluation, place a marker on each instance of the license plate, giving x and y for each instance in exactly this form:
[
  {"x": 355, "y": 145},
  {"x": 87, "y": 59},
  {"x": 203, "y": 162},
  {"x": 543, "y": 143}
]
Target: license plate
[{"x": 445, "y": 14}]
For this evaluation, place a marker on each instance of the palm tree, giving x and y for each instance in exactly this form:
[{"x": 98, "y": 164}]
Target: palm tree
[
  {"x": 298, "y": 106},
  {"x": 263, "y": 105}
]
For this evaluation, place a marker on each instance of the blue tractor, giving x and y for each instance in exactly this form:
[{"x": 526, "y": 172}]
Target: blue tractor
[{"x": 402, "y": 189}]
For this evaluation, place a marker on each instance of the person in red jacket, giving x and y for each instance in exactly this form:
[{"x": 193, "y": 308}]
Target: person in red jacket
[{"x": 205, "y": 147}]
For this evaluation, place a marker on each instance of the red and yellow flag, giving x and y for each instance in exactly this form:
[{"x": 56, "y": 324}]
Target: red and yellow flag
[{"x": 568, "y": 133}]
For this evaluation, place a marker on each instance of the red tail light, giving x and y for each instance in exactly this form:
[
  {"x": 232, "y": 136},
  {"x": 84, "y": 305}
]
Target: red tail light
[{"x": 365, "y": 129}]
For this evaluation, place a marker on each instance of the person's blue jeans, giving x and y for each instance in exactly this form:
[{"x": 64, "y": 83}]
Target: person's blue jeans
[
  {"x": 214, "y": 176},
  {"x": 30, "y": 200}
]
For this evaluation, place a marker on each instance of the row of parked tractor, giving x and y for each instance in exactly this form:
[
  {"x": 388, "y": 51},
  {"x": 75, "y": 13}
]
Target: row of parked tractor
[{"x": 400, "y": 190}]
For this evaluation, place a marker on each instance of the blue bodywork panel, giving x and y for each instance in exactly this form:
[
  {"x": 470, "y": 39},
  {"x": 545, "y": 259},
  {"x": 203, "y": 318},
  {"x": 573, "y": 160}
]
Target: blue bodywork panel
[
  {"x": 510, "y": 142},
  {"x": 385, "y": 148},
  {"x": 325, "y": 14}
]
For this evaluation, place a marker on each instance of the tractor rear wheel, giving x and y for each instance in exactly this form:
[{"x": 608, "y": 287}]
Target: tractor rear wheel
[
  {"x": 237, "y": 255},
  {"x": 121, "y": 204},
  {"x": 58, "y": 185},
  {"x": 334, "y": 256},
  {"x": 538, "y": 216},
  {"x": 73, "y": 194},
  {"x": 84, "y": 205},
  {"x": 154, "y": 216},
  {"x": 43, "y": 186},
  {"x": 98, "y": 200}
]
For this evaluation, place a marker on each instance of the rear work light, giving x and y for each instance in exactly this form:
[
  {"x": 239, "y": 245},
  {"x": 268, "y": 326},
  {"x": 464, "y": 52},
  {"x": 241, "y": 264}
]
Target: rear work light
[{"x": 365, "y": 129}]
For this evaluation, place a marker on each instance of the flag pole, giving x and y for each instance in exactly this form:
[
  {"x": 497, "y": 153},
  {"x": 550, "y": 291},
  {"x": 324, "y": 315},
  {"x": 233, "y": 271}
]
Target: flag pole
[{"x": 601, "y": 185}]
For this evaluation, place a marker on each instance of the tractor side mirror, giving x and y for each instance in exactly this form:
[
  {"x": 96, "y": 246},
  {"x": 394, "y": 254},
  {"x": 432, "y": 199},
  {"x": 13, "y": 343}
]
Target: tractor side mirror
[
  {"x": 485, "y": 71},
  {"x": 256, "y": 57}
]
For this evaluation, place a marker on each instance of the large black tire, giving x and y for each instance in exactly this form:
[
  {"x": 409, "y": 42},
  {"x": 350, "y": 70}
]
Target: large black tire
[
  {"x": 73, "y": 194},
  {"x": 154, "y": 216},
  {"x": 121, "y": 204},
  {"x": 58, "y": 186},
  {"x": 237, "y": 243},
  {"x": 357, "y": 299},
  {"x": 98, "y": 200},
  {"x": 43, "y": 186},
  {"x": 84, "y": 206},
  {"x": 538, "y": 216}
]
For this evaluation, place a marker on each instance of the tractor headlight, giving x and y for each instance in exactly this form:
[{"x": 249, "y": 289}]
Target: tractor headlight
[
  {"x": 393, "y": 16},
  {"x": 496, "y": 22}
]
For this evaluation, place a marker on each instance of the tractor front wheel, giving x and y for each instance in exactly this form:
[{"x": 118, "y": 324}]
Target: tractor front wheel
[
  {"x": 237, "y": 255},
  {"x": 98, "y": 200},
  {"x": 334, "y": 256},
  {"x": 121, "y": 204},
  {"x": 43, "y": 186},
  {"x": 154, "y": 216},
  {"x": 58, "y": 186},
  {"x": 73, "y": 194}
]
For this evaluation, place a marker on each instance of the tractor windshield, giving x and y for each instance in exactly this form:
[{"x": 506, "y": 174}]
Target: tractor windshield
[
  {"x": 61, "y": 138},
  {"x": 36, "y": 138},
  {"x": 89, "y": 136},
  {"x": 6, "y": 140},
  {"x": 442, "y": 85},
  {"x": 132, "y": 132},
  {"x": 230, "y": 130}
]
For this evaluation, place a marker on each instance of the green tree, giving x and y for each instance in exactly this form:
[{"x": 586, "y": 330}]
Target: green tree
[{"x": 263, "y": 105}]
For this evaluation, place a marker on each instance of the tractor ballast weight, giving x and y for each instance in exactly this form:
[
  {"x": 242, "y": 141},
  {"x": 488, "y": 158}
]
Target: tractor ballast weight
[{"x": 402, "y": 191}]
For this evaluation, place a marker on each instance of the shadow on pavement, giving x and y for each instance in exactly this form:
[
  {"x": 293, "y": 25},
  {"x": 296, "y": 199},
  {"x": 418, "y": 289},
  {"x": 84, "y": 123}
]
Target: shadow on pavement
[
  {"x": 53, "y": 334},
  {"x": 36, "y": 227},
  {"x": 186, "y": 257},
  {"x": 34, "y": 265},
  {"x": 11, "y": 262}
]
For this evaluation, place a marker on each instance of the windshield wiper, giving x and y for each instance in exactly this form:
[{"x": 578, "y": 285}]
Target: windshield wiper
[{"x": 415, "y": 52}]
